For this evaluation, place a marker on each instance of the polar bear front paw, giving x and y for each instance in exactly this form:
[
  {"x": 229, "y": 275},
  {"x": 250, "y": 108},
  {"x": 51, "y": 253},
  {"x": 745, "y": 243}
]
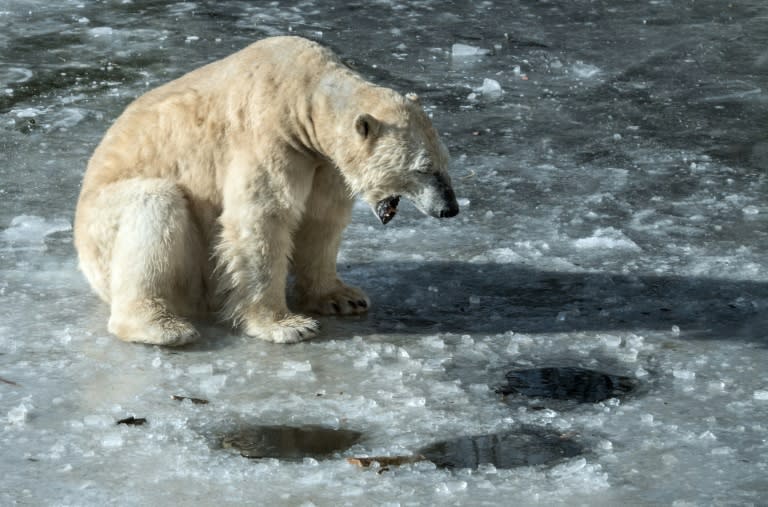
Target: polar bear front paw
[
  {"x": 344, "y": 300},
  {"x": 290, "y": 329}
]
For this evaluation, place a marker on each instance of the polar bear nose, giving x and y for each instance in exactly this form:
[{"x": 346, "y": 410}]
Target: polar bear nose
[
  {"x": 451, "y": 206},
  {"x": 451, "y": 211}
]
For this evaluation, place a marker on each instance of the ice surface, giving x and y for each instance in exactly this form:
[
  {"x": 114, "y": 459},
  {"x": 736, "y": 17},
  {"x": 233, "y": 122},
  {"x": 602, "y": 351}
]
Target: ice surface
[{"x": 613, "y": 219}]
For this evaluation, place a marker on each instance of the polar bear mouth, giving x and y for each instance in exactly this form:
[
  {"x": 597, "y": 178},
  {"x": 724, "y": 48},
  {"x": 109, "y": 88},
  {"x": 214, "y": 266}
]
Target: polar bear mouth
[{"x": 387, "y": 208}]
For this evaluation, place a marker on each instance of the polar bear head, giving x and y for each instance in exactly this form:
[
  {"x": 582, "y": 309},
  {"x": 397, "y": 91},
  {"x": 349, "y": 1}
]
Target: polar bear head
[{"x": 397, "y": 153}]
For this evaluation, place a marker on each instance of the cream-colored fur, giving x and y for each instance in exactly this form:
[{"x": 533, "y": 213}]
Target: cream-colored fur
[{"x": 206, "y": 190}]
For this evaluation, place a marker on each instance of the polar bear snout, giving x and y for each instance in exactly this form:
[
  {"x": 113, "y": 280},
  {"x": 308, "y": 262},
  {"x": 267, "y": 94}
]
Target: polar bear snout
[{"x": 436, "y": 198}]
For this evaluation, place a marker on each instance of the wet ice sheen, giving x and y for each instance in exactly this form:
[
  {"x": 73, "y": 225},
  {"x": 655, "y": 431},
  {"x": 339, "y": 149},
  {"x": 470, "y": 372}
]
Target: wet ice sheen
[{"x": 613, "y": 202}]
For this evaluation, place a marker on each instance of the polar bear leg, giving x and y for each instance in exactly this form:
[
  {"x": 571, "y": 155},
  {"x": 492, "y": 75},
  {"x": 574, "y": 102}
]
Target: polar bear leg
[
  {"x": 153, "y": 267},
  {"x": 316, "y": 245},
  {"x": 252, "y": 256},
  {"x": 255, "y": 267}
]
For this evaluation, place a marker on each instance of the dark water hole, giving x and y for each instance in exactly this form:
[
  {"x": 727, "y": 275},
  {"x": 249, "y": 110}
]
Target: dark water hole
[
  {"x": 517, "y": 448},
  {"x": 288, "y": 442},
  {"x": 568, "y": 383}
]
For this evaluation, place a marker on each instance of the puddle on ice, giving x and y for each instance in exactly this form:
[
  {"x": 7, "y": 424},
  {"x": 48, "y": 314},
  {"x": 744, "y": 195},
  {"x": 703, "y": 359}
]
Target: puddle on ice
[
  {"x": 567, "y": 383},
  {"x": 289, "y": 442},
  {"x": 517, "y": 448}
]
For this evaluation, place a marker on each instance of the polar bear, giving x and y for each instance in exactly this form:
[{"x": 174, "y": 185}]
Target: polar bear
[{"x": 206, "y": 191}]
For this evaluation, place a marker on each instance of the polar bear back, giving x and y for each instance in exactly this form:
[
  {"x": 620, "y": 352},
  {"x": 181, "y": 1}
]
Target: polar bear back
[{"x": 184, "y": 130}]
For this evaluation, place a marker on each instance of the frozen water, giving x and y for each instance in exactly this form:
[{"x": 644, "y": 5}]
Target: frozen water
[{"x": 613, "y": 219}]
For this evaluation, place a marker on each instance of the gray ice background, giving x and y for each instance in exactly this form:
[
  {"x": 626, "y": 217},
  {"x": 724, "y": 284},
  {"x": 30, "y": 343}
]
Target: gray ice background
[{"x": 610, "y": 158}]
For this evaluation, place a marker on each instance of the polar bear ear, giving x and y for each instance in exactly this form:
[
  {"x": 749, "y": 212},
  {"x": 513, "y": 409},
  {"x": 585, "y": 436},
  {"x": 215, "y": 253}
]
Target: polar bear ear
[
  {"x": 413, "y": 97},
  {"x": 366, "y": 125}
]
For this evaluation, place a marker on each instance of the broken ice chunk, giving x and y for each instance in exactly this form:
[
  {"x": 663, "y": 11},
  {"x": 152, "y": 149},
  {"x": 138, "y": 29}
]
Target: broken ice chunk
[
  {"x": 464, "y": 51},
  {"x": 100, "y": 31},
  {"x": 18, "y": 415},
  {"x": 585, "y": 70},
  {"x": 490, "y": 88},
  {"x": 30, "y": 231},
  {"x": 683, "y": 374}
]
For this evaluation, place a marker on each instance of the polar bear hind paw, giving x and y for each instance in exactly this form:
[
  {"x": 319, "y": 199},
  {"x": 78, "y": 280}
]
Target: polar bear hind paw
[
  {"x": 154, "y": 325},
  {"x": 344, "y": 300}
]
